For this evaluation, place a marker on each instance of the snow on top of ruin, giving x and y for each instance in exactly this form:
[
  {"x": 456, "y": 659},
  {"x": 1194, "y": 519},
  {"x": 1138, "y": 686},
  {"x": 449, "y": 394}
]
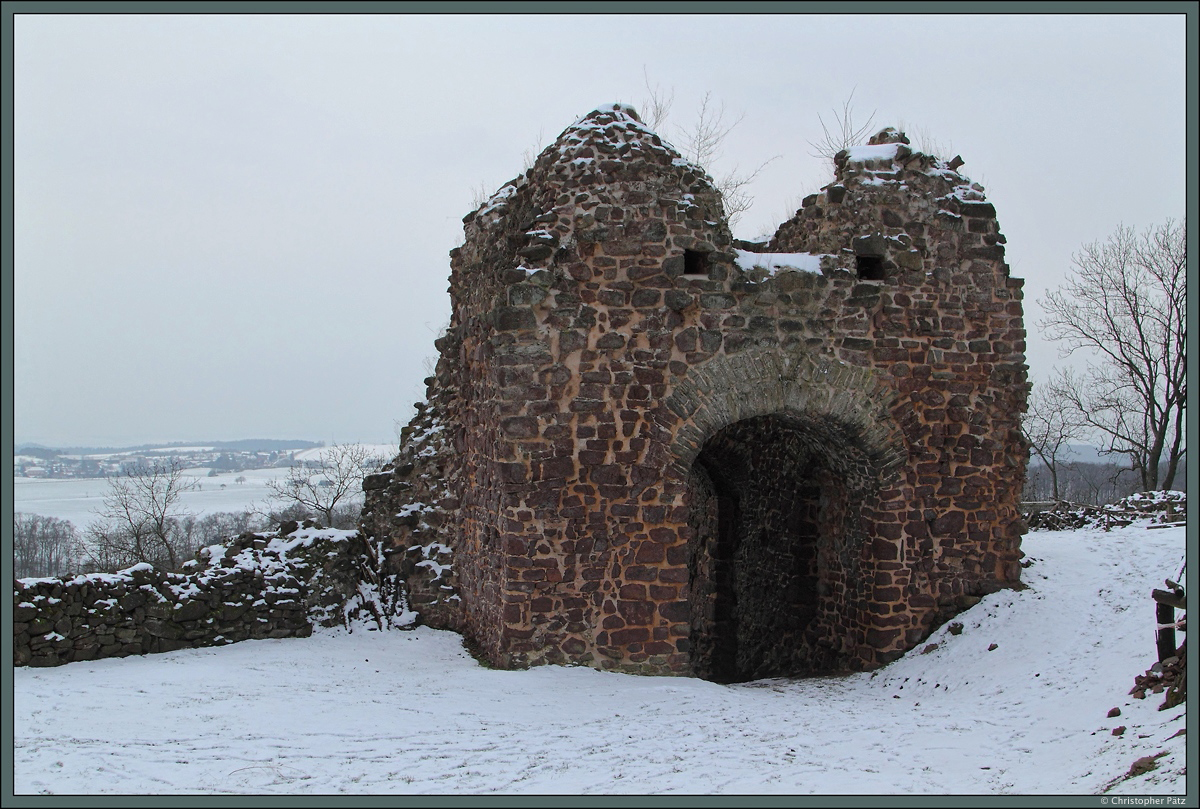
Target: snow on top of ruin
[
  {"x": 606, "y": 121},
  {"x": 774, "y": 262},
  {"x": 619, "y": 123},
  {"x": 611, "y": 131},
  {"x": 882, "y": 151},
  {"x": 616, "y": 108},
  {"x": 499, "y": 200}
]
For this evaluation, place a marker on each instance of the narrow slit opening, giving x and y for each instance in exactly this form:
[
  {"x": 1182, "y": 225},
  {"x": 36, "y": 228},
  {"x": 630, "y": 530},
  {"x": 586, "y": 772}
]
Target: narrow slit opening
[
  {"x": 695, "y": 263},
  {"x": 870, "y": 268}
]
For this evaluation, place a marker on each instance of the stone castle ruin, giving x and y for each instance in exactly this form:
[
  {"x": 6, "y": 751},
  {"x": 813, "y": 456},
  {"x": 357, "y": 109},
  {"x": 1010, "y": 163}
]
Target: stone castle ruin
[{"x": 649, "y": 447}]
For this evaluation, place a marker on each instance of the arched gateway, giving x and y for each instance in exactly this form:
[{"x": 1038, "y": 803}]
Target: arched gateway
[
  {"x": 648, "y": 447},
  {"x": 781, "y": 492}
]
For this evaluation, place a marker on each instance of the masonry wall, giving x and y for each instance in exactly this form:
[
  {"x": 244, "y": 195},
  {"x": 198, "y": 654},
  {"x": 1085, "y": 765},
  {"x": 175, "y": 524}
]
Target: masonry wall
[
  {"x": 613, "y": 353},
  {"x": 257, "y": 586}
]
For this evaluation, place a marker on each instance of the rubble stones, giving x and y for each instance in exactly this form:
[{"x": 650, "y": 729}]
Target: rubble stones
[{"x": 1170, "y": 675}]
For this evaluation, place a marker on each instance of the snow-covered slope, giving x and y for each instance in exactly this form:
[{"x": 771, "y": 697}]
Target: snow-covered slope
[{"x": 373, "y": 712}]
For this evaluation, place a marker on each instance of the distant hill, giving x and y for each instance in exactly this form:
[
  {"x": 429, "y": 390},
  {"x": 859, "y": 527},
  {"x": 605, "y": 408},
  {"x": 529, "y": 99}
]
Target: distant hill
[
  {"x": 38, "y": 451},
  {"x": 1082, "y": 453},
  {"x": 266, "y": 444}
]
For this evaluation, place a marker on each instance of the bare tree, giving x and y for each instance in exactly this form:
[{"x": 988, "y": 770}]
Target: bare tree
[
  {"x": 1124, "y": 307},
  {"x": 141, "y": 519},
  {"x": 844, "y": 134},
  {"x": 1049, "y": 427},
  {"x": 530, "y": 155},
  {"x": 924, "y": 141},
  {"x": 45, "y": 546},
  {"x": 702, "y": 142},
  {"x": 479, "y": 195},
  {"x": 656, "y": 106},
  {"x": 331, "y": 482}
]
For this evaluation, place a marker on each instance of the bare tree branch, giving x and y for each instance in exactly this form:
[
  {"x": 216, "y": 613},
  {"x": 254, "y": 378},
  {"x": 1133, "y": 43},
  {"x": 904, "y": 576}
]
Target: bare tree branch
[
  {"x": 329, "y": 483},
  {"x": 45, "y": 546},
  {"x": 844, "y": 134},
  {"x": 1124, "y": 308},
  {"x": 141, "y": 519},
  {"x": 702, "y": 142},
  {"x": 1049, "y": 427},
  {"x": 656, "y": 106}
]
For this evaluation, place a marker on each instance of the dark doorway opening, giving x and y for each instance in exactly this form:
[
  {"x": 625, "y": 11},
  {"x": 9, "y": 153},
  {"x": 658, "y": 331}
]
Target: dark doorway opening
[{"x": 771, "y": 522}]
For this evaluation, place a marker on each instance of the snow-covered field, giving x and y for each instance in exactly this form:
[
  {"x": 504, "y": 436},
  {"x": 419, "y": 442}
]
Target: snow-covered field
[
  {"x": 411, "y": 712},
  {"x": 78, "y": 499}
]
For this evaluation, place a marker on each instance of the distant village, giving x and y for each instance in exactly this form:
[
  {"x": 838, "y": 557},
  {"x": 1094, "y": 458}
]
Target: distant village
[{"x": 37, "y": 462}]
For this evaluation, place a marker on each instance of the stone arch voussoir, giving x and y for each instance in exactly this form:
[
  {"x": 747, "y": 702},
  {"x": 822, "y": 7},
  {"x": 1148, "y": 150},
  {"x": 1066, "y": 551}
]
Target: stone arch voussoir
[{"x": 730, "y": 388}]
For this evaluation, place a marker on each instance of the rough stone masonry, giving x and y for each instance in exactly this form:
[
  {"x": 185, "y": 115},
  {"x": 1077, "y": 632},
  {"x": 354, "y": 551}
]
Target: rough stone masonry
[{"x": 651, "y": 448}]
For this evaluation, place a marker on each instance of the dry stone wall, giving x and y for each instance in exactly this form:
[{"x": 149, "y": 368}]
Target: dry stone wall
[
  {"x": 258, "y": 586},
  {"x": 649, "y": 448}
]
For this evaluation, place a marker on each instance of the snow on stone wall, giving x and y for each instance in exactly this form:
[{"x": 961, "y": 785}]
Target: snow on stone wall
[{"x": 258, "y": 586}]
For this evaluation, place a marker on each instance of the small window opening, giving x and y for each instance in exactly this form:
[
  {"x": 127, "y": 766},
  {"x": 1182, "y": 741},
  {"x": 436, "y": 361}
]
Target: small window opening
[
  {"x": 870, "y": 268},
  {"x": 695, "y": 263}
]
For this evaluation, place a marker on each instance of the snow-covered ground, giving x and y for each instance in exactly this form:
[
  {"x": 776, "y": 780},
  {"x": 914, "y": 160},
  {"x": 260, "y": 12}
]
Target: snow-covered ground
[{"x": 411, "y": 712}]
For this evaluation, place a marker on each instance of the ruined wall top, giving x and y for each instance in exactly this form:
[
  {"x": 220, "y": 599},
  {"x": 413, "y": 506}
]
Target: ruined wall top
[{"x": 607, "y": 182}]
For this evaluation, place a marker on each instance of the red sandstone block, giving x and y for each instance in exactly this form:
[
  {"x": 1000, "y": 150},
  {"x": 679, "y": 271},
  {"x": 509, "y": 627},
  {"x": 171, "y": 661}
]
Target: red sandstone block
[
  {"x": 649, "y": 553},
  {"x": 677, "y": 554},
  {"x": 882, "y": 549},
  {"x": 643, "y": 573},
  {"x": 656, "y": 514},
  {"x": 949, "y": 524},
  {"x": 882, "y": 638},
  {"x": 512, "y": 472},
  {"x": 636, "y": 612},
  {"x": 612, "y": 474},
  {"x": 677, "y": 575},
  {"x": 675, "y": 611},
  {"x": 625, "y": 637}
]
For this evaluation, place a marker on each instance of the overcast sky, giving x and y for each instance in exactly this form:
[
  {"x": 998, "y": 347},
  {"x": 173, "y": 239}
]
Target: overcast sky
[{"x": 237, "y": 226}]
